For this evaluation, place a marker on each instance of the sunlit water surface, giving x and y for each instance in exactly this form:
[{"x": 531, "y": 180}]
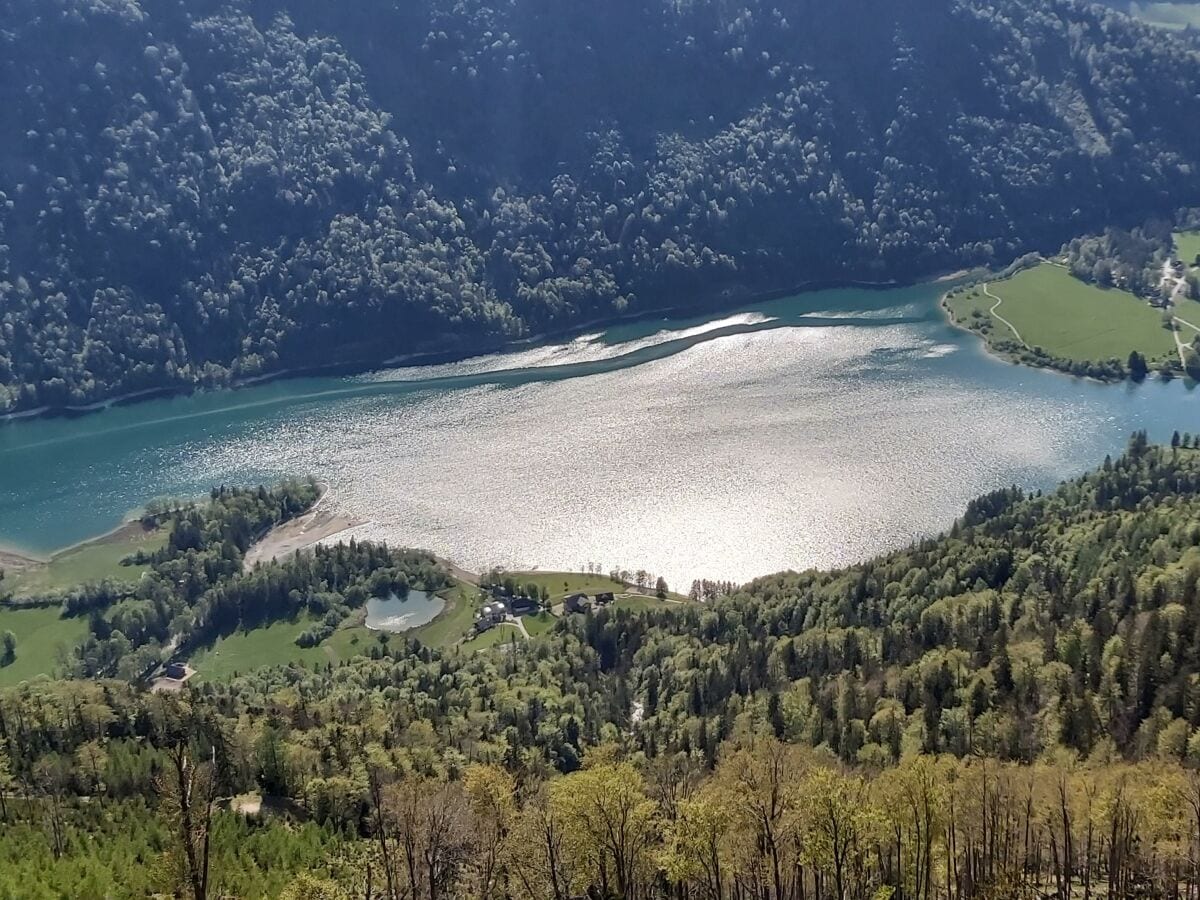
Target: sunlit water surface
[
  {"x": 811, "y": 431},
  {"x": 397, "y": 614}
]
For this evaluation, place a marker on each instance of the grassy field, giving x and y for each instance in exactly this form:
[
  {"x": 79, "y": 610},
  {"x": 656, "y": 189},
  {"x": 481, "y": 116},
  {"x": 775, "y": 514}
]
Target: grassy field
[
  {"x": 40, "y": 633},
  {"x": 501, "y": 634},
  {"x": 1066, "y": 317},
  {"x": 352, "y": 639},
  {"x": 275, "y": 645},
  {"x": 1189, "y": 311},
  {"x": 1175, "y": 16},
  {"x": 90, "y": 562},
  {"x": 643, "y": 603},
  {"x": 455, "y": 621},
  {"x": 561, "y": 584},
  {"x": 245, "y": 651},
  {"x": 539, "y": 624},
  {"x": 1187, "y": 246}
]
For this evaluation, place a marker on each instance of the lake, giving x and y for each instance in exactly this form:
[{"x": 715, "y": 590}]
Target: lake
[
  {"x": 396, "y": 614},
  {"x": 809, "y": 431}
]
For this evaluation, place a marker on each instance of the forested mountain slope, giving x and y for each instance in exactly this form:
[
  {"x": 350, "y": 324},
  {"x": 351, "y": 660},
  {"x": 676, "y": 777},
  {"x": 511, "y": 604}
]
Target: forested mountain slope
[
  {"x": 1063, "y": 619},
  {"x": 194, "y": 191},
  {"x": 1011, "y": 709}
]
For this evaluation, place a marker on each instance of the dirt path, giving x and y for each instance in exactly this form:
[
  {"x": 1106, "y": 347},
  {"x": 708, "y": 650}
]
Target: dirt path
[
  {"x": 1179, "y": 344},
  {"x": 318, "y": 524},
  {"x": 1187, "y": 323},
  {"x": 995, "y": 315}
]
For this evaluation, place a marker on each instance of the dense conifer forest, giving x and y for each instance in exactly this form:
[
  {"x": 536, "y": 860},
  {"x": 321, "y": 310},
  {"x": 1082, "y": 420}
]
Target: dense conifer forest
[
  {"x": 1009, "y": 709},
  {"x": 194, "y": 192}
]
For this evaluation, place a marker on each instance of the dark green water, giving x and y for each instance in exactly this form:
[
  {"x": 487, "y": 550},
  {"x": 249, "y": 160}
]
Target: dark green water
[{"x": 807, "y": 431}]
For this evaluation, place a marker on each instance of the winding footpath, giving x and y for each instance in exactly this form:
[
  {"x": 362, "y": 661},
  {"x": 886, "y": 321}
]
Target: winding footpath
[
  {"x": 995, "y": 315},
  {"x": 1179, "y": 292},
  {"x": 1180, "y": 345}
]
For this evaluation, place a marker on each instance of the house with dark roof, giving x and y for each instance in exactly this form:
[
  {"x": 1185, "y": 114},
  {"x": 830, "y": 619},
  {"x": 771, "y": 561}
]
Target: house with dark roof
[
  {"x": 491, "y": 614},
  {"x": 176, "y": 670},
  {"x": 523, "y": 606},
  {"x": 575, "y": 603}
]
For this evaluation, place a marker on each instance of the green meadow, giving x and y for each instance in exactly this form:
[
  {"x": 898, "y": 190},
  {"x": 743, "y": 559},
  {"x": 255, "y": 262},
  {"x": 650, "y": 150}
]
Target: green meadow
[
  {"x": 494, "y": 637},
  {"x": 561, "y": 584},
  {"x": 1065, "y": 317},
  {"x": 642, "y": 604},
  {"x": 1187, "y": 246},
  {"x": 271, "y": 645},
  {"x": 275, "y": 644},
  {"x": 91, "y": 562},
  {"x": 539, "y": 624},
  {"x": 41, "y": 633}
]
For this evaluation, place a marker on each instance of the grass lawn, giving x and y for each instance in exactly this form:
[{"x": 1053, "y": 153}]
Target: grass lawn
[
  {"x": 352, "y": 639},
  {"x": 494, "y": 637},
  {"x": 90, "y": 562},
  {"x": 245, "y": 651},
  {"x": 1068, "y": 318},
  {"x": 275, "y": 645},
  {"x": 40, "y": 632},
  {"x": 539, "y": 624},
  {"x": 455, "y": 621},
  {"x": 560, "y": 584},
  {"x": 1189, "y": 311},
  {"x": 1187, "y": 246},
  {"x": 643, "y": 603}
]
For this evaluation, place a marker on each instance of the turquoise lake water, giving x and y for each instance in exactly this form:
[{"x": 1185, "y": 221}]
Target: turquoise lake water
[{"x": 809, "y": 431}]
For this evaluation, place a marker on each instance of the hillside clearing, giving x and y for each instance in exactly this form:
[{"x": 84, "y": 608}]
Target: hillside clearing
[
  {"x": 41, "y": 634},
  {"x": 1187, "y": 246}
]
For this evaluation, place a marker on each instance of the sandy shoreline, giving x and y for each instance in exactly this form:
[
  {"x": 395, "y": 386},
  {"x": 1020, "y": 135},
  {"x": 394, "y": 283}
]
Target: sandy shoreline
[
  {"x": 14, "y": 558},
  {"x": 11, "y": 561},
  {"x": 318, "y": 524}
]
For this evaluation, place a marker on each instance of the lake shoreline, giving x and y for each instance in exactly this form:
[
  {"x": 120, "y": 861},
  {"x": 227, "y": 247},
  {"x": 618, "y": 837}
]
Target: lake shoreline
[
  {"x": 363, "y": 366},
  {"x": 316, "y": 526},
  {"x": 544, "y": 467},
  {"x": 15, "y": 560},
  {"x": 21, "y": 557},
  {"x": 1046, "y": 363}
]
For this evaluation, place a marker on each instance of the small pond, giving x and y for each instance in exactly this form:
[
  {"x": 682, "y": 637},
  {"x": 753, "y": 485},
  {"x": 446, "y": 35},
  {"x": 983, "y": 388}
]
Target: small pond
[{"x": 395, "y": 614}]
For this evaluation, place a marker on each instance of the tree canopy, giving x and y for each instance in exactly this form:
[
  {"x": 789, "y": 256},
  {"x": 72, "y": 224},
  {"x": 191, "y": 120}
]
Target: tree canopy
[
  {"x": 1008, "y": 709},
  {"x": 193, "y": 193}
]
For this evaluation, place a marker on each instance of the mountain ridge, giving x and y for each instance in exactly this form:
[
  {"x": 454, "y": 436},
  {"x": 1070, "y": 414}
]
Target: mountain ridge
[{"x": 203, "y": 192}]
